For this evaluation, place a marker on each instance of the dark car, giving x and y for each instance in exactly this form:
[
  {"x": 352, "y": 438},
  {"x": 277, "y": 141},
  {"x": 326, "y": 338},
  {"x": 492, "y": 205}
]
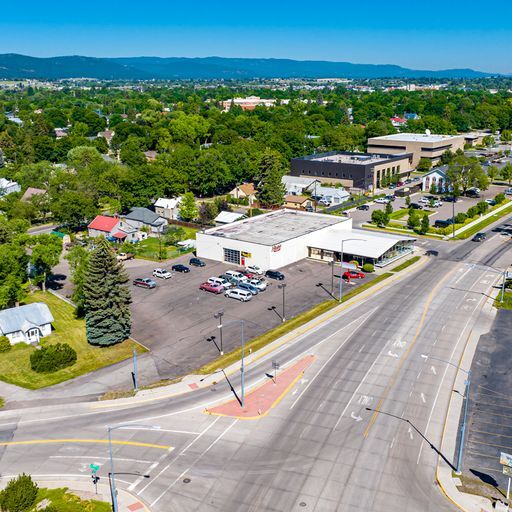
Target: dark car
[
  {"x": 479, "y": 237},
  {"x": 449, "y": 199},
  {"x": 416, "y": 206},
  {"x": 472, "y": 193},
  {"x": 196, "y": 262},
  {"x": 363, "y": 207},
  {"x": 443, "y": 223},
  {"x": 144, "y": 282},
  {"x": 392, "y": 186},
  {"x": 391, "y": 197},
  {"x": 274, "y": 274},
  {"x": 180, "y": 268}
]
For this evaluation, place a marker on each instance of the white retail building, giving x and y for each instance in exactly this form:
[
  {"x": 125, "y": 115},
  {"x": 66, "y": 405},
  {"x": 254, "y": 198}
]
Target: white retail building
[{"x": 274, "y": 240}]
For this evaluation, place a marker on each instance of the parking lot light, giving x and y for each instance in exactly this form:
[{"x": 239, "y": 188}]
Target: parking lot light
[
  {"x": 283, "y": 287},
  {"x": 219, "y": 316}
]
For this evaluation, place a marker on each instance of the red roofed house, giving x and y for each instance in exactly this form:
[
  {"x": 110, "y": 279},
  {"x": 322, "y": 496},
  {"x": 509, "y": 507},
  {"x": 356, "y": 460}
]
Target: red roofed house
[
  {"x": 397, "y": 122},
  {"x": 113, "y": 228}
]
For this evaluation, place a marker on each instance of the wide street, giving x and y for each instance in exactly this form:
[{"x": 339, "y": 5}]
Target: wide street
[{"x": 319, "y": 448}]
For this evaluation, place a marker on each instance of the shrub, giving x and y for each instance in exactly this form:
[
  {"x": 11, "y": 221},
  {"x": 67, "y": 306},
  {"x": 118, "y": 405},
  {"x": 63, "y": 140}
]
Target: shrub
[
  {"x": 19, "y": 495},
  {"x": 499, "y": 198},
  {"x": 52, "y": 358},
  {"x": 482, "y": 207},
  {"x": 460, "y": 218},
  {"x": 380, "y": 218},
  {"x": 5, "y": 344},
  {"x": 472, "y": 212},
  {"x": 368, "y": 267}
]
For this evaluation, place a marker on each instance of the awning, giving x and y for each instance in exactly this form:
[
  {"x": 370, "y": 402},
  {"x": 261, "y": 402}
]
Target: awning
[{"x": 119, "y": 234}]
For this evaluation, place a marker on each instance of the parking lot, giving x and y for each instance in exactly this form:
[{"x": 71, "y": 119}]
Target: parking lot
[
  {"x": 175, "y": 319},
  {"x": 442, "y": 212}
]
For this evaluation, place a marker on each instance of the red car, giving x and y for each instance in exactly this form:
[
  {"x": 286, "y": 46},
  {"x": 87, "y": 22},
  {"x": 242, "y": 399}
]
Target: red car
[
  {"x": 353, "y": 274},
  {"x": 248, "y": 274},
  {"x": 400, "y": 184},
  {"x": 212, "y": 288}
]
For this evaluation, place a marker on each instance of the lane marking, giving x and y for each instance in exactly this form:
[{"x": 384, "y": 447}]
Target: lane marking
[
  {"x": 81, "y": 441},
  {"x": 95, "y": 457}
]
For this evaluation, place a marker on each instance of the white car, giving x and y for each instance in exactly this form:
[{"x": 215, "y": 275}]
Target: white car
[
  {"x": 508, "y": 191},
  {"x": 238, "y": 294},
  {"x": 437, "y": 204},
  {"x": 162, "y": 273},
  {"x": 382, "y": 200},
  {"x": 254, "y": 269},
  {"x": 261, "y": 284},
  {"x": 423, "y": 200}
]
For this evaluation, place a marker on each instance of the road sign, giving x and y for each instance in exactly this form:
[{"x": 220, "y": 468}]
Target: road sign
[
  {"x": 506, "y": 459},
  {"x": 94, "y": 468},
  {"x": 507, "y": 470}
]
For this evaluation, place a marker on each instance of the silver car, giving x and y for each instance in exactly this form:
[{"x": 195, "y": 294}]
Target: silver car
[
  {"x": 260, "y": 284},
  {"x": 238, "y": 294}
]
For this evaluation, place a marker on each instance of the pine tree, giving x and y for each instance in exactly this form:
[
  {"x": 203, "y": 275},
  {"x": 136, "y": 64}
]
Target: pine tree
[
  {"x": 107, "y": 298},
  {"x": 272, "y": 170},
  {"x": 425, "y": 224}
]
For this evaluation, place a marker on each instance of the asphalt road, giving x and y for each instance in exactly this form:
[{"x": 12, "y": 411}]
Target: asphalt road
[{"x": 319, "y": 449}]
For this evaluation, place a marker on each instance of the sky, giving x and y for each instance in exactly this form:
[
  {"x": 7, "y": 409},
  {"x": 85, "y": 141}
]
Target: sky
[{"x": 416, "y": 34}]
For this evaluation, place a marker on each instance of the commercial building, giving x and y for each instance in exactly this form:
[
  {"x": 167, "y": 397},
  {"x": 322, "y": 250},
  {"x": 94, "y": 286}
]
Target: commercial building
[
  {"x": 276, "y": 239},
  {"x": 355, "y": 170},
  {"x": 417, "y": 145}
]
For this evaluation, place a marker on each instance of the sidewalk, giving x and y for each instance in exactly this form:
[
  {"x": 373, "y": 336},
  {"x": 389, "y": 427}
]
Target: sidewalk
[{"x": 444, "y": 476}]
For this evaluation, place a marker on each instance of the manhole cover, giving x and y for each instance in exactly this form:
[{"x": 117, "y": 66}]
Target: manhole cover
[{"x": 186, "y": 480}]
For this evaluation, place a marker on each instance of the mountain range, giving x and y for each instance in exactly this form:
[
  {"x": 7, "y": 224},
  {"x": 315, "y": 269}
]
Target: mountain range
[{"x": 15, "y": 66}]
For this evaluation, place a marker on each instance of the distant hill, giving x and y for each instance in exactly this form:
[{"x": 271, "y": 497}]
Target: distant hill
[{"x": 15, "y": 66}]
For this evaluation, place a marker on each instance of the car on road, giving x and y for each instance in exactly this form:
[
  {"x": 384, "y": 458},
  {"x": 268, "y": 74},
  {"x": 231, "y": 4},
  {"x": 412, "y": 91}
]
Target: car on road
[
  {"x": 479, "y": 237},
  {"x": 124, "y": 256},
  {"x": 212, "y": 288},
  {"x": 144, "y": 282},
  {"x": 363, "y": 207},
  {"x": 238, "y": 294},
  {"x": 254, "y": 269},
  {"x": 382, "y": 200},
  {"x": 260, "y": 284},
  {"x": 196, "y": 262},
  {"x": 353, "y": 274},
  {"x": 162, "y": 273},
  {"x": 180, "y": 268},
  {"x": 249, "y": 287},
  {"x": 274, "y": 274},
  {"x": 415, "y": 206}
]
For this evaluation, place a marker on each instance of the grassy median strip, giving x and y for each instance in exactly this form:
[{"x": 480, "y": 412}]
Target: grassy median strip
[
  {"x": 507, "y": 301},
  {"x": 405, "y": 264},
  {"x": 484, "y": 223},
  {"x": 286, "y": 327},
  {"x": 15, "y": 364}
]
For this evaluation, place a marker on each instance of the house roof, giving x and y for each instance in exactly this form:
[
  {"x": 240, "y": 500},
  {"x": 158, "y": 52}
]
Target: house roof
[
  {"x": 296, "y": 199},
  {"x": 248, "y": 189},
  {"x": 24, "y": 318},
  {"x": 168, "y": 204},
  {"x": 119, "y": 234},
  {"x": 103, "y": 223},
  {"x": 5, "y": 183},
  {"x": 145, "y": 216},
  {"x": 32, "y": 191},
  {"x": 150, "y": 155},
  {"x": 331, "y": 191},
  {"x": 228, "y": 217},
  {"x": 438, "y": 170},
  {"x": 298, "y": 180}
]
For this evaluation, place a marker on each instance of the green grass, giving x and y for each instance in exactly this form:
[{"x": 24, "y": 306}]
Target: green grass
[
  {"x": 286, "y": 327},
  {"x": 484, "y": 223},
  {"x": 15, "y": 364},
  {"x": 149, "y": 249},
  {"x": 405, "y": 264},
  {"x": 63, "y": 501},
  {"x": 507, "y": 300}
]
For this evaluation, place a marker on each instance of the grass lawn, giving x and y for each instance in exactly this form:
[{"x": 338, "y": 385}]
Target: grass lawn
[
  {"x": 507, "y": 300},
  {"x": 405, "y": 264},
  {"x": 484, "y": 223},
  {"x": 67, "y": 502},
  {"x": 15, "y": 364},
  {"x": 150, "y": 248}
]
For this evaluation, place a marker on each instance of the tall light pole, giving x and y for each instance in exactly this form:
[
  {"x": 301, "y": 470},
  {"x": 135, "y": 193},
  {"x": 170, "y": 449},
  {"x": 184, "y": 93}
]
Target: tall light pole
[
  {"x": 341, "y": 262},
  {"x": 331, "y": 263},
  {"x": 242, "y": 365},
  {"x": 113, "y": 490},
  {"x": 465, "y": 412},
  {"x": 219, "y": 315},
  {"x": 283, "y": 287}
]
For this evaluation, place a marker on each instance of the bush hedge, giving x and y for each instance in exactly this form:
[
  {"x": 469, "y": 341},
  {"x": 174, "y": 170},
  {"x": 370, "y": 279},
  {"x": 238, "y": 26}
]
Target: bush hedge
[
  {"x": 52, "y": 358},
  {"x": 19, "y": 495},
  {"x": 368, "y": 267},
  {"x": 5, "y": 344}
]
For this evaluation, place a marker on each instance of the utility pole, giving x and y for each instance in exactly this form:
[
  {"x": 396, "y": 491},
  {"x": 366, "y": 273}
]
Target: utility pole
[
  {"x": 135, "y": 376},
  {"x": 283, "y": 287},
  {"x": 219, "y": 315}
]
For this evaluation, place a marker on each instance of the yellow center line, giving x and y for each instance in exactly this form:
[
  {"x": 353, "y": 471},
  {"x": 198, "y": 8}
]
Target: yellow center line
[
  {"x": 90, "y": 441},
  {"x": 393, "y": 378}
]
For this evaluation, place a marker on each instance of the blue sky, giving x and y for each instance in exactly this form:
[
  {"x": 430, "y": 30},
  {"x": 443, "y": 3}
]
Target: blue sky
[{"x": 430, "y": 34}]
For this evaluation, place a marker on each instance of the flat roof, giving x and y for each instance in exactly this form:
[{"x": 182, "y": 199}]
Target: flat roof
[
  {"x": 275, "y": 227},
  {"x": 417, "y": 137},
  {"x": 348, "y": 157}
]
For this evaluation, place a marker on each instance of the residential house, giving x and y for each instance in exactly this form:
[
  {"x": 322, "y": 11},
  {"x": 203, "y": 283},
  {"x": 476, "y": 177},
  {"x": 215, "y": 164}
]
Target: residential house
[
  {"x": 228, "y": 217},
  {"x": 398, "y": 122},
  {"x": 438, "y": 178},
  {"x": 144, "y": 218},
  {"x": 298, "y": 202},
  {"x": 115, "y": 229},
  {"x": 168, "y": 208},
  {"x": 60, "y": 133},
  {"x": 26, "y": 324},
  {"x": 107, "y": 135},
  {"x": 150, "y": 155},
  {"x": 31, "y": 192},
  {"x": 8, "y": 187},
  {"x": 331, "y": 195},
  {"x": 244, "y": 191},
  {"x": 297, "y": 185}
]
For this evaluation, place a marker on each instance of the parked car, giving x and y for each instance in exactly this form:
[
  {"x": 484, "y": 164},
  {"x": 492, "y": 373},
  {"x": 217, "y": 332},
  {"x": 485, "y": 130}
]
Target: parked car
[
  {"x": 353, "y": 274},
  {"x": 234, "y": 273},
  {"x": 474, "y": 193},
  {"x": 260, "y": 284},
  {"x": 407, "y": 181},
  {"x": 254, "y": 269},
  {"x": 249, "y": 287},
  {"x": 391, "y": 186},
  {"x": 363, "y": 207},
  {"x": 212, "y": 288},
  {"x": 144, "y": 282},
  {"x": 491, "y": 202},
  {"x": 479, "y": 237},
  {"x": 309, "y": 209},
  {"x": 382, "y": 200},
  {"x": 400, "y": 184},
  {"x": 238, "y": 294},
  {"x": 508, "y": 191},
  {"x": 162, "y": 273},
  {"x": 180, "y": 268},
  {"x": 235, "y": 281},
  {"x": 390, "y": 198},
  {"x": 220, "y": 281},
  {"x": 449, "y": 199},
  {"x": 196, "y": 262},
  {"x": 415, "y": 206},
  {"x": 275, "y": 274},
  {"x": 248, "y": 274},
  {"x": 443, "y": 223},
  {"x": 124, "y": 256},
  {"x": 424, "y": 200}
]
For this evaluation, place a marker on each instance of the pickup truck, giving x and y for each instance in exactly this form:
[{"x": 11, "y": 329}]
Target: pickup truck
[{"x": 123, "y": 256}]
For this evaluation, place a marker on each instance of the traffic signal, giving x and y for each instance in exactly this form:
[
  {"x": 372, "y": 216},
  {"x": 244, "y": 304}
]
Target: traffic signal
[{"x": 95, "y": 479}]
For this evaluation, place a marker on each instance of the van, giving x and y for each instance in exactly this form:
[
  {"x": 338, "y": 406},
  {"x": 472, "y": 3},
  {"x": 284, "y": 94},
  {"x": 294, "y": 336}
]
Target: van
[
  {"x": 234, "y": 273},
  {"x": 219, "y": 281},
  {"x": 238, "y": 294}
]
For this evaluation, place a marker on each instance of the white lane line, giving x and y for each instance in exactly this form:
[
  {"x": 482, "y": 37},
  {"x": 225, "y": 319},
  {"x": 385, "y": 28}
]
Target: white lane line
[
  {"x": 95, "y": 457},
  {"x": 148, "y": 471},
  {"x": 361, "y": 349},
  {"x": 221, "y": 435},
  {"x": 422, "y": 395},
  {"x": 183, "y": 451},
  {"x": 332, "y": 355},
  {"x": 462, "y": 275}
]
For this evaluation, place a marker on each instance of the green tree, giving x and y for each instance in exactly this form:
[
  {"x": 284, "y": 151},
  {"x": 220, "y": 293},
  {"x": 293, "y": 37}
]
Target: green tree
[
  {"x": 83, "y": 156},
  {"x": 424, "y": 165},
  {"x": 408, "y": 201},
  {"x": 425, "y": 224},
  {"x": 272, "y": 169},
  {"x": 380, "y": 218},
  {"x": 506, "y": 173},
  {"x": 389, "y": 208},
  {"x": 19, "y": 495},
  {"x": 107, "y": 298},
  {"x": 78, "y": 258},
  {"x": 506, "y": 135},
  {"x": 46, "y": 250},
  {"x": 492, "y": 172},
  {"x": 413, "y": 222},
  {"x": 188, "y": 207}
]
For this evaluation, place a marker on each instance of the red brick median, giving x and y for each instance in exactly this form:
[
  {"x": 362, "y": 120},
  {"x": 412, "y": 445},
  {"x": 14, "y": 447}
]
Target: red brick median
[{"x": 259, "y": 401}]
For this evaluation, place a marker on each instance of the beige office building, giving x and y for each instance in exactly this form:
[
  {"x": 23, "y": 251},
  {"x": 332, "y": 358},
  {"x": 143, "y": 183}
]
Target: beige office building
[{"x": 419, "y": 145}]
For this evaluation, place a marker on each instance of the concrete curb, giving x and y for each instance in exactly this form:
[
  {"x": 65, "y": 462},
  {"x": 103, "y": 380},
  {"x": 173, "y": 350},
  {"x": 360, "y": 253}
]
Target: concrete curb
[{"x": 444, "y": 477}]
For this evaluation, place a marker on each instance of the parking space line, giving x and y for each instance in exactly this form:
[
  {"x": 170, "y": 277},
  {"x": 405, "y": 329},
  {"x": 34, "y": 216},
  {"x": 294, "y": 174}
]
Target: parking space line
[{"x": 491, "y": 444}]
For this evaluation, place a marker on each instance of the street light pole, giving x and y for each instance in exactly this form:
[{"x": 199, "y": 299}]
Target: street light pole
[
  {"x": 242, "y": 368},
  {"x": 332, "y": 276},
  {"x": 219, "y": 315},
  {"x": 283, "y": 287}
]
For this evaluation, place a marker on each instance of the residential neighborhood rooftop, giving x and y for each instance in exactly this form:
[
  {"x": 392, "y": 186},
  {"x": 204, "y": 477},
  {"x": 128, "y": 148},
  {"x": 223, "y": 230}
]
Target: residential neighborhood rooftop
[{"x": 24, "y": 317}]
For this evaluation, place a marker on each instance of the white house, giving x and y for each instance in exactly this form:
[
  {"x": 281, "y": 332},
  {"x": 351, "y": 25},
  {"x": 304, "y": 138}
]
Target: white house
[
  {"x": 332, "y": 195},
  {"x": 8, "y": 187},
  {"x": 438, "y": 178},
  {"x": 168, "y": 208},
  {"x": 27, "y": 323},
  {"x": 228, "y": 218},
  {"x": 114, "y": 228},
  {"x": 297, "y": 185}
]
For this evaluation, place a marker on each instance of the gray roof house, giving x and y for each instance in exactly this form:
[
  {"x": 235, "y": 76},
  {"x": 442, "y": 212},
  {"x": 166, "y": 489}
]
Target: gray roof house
[
  {"x": 27, "y": 323},
  {"x": 139, "y": 217}
]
